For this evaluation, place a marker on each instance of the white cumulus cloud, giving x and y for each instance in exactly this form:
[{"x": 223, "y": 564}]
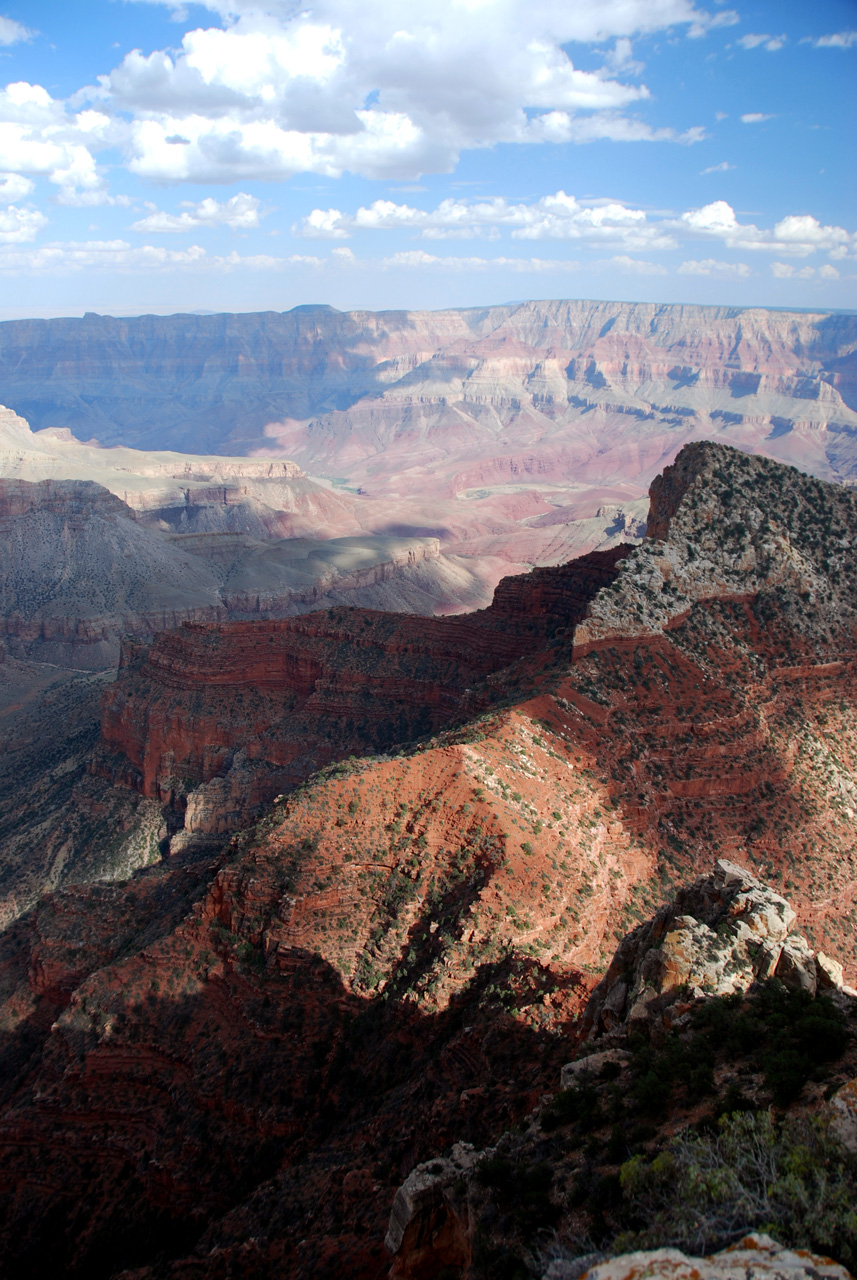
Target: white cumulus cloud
[
  {"x": 785, "y": 271},
  {"x": 40, "y": 136},
  {"x": 17, "y": 226},
  {"x": 755, "y": 117},
  {"x": 554, "y": 217},
  {"x": 772, "y": 43},
  {"x": 797, "y": 234},
  {"x": 381, "y": 90},
  {"x": 635, "y": 266},
  {"x": 593, "y": 223},
  {"x": 14, "y": 187},
  {"x": 240, "y": 213}
]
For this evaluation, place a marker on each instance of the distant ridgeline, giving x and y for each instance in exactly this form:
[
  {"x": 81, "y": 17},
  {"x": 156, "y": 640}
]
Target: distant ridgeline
[{"x": 214, "y": 383}]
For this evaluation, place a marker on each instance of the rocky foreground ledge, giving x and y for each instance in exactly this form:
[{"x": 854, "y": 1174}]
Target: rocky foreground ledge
[
  {"x": 756, "y": 1257},
  {"x": 725, "y": 939}
]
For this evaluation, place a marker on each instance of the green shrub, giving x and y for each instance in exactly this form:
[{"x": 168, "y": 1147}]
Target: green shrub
[
  {"x": 788, "y": 1036},
  {"x": 791, "y": 1179}
]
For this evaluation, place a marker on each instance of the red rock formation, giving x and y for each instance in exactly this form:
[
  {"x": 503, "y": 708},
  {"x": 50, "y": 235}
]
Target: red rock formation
[
  {"x": 298, "y": 693},
  {"x": 392, "y": 959}
]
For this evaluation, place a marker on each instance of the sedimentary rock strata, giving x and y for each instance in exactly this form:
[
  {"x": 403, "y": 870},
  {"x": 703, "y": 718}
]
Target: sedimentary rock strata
[
  {"x": 527, "y": 433},
  {"x": 296, "y": 694},
  {"x": 187, "y": 380},
  {"x": 79, "y": 568}
]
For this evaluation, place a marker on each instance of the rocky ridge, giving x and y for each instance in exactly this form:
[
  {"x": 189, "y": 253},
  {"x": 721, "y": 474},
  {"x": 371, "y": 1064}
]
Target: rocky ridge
[
  {"x": 738, "y": 683},
  {"x": 262, "y": 1040},
  {"x": 750, "y": 529},
  {"x": 756, "y": 1257},
  {"x": 716, "y": 938},
  {"x": 318, "y": 687}
]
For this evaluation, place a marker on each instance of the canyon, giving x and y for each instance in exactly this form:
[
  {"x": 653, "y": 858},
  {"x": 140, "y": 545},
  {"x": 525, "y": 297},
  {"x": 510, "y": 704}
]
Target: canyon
[
  {"x": 516, "y": 435},
  {"x": 399, "y": 461},
  {"x": 101, "y": 542},
  {"x": 333, "y": 892}
]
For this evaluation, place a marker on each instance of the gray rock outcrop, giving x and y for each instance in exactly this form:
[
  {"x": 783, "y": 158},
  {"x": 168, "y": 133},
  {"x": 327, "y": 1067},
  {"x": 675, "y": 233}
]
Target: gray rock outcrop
[{"x": 716, "y": 938}]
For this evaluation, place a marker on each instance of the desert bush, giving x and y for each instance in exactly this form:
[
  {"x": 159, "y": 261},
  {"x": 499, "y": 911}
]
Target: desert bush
[{"x": 791, "y": 1179}]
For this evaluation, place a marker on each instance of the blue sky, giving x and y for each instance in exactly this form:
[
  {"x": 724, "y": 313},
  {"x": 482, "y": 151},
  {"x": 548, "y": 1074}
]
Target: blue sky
[{"x": 249, "y": 156}]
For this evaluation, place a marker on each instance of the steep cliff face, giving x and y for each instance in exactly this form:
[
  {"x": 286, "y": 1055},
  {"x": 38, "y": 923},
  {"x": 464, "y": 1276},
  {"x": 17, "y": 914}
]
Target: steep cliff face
[
  {"x": 279, "y": 700},
  {"x": 735, "y": 527}
]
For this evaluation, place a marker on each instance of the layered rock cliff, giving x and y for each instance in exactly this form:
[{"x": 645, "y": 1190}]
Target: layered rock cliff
[
  {"x": 528, "y": 433},
  {"x": 76, "y": 570},
  {"x": 188, "y": 380},
  {"x": 276, "y": 701}
]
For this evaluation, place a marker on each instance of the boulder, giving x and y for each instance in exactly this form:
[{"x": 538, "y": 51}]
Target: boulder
[
  {"x": 427, "y": 1233},
  {"x": 796, "y": 967},
  {"x": 828, "y": 972}
]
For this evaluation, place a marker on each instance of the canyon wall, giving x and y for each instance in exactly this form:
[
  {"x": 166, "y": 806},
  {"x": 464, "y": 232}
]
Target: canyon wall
[
  {"x": 188, "y": 381},
  {"x": 486, "y": 396},
  {"x": 296, "y": 694}
]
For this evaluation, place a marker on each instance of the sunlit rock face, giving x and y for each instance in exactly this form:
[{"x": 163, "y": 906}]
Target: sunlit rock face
[{"x": 719, "y": 936}]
